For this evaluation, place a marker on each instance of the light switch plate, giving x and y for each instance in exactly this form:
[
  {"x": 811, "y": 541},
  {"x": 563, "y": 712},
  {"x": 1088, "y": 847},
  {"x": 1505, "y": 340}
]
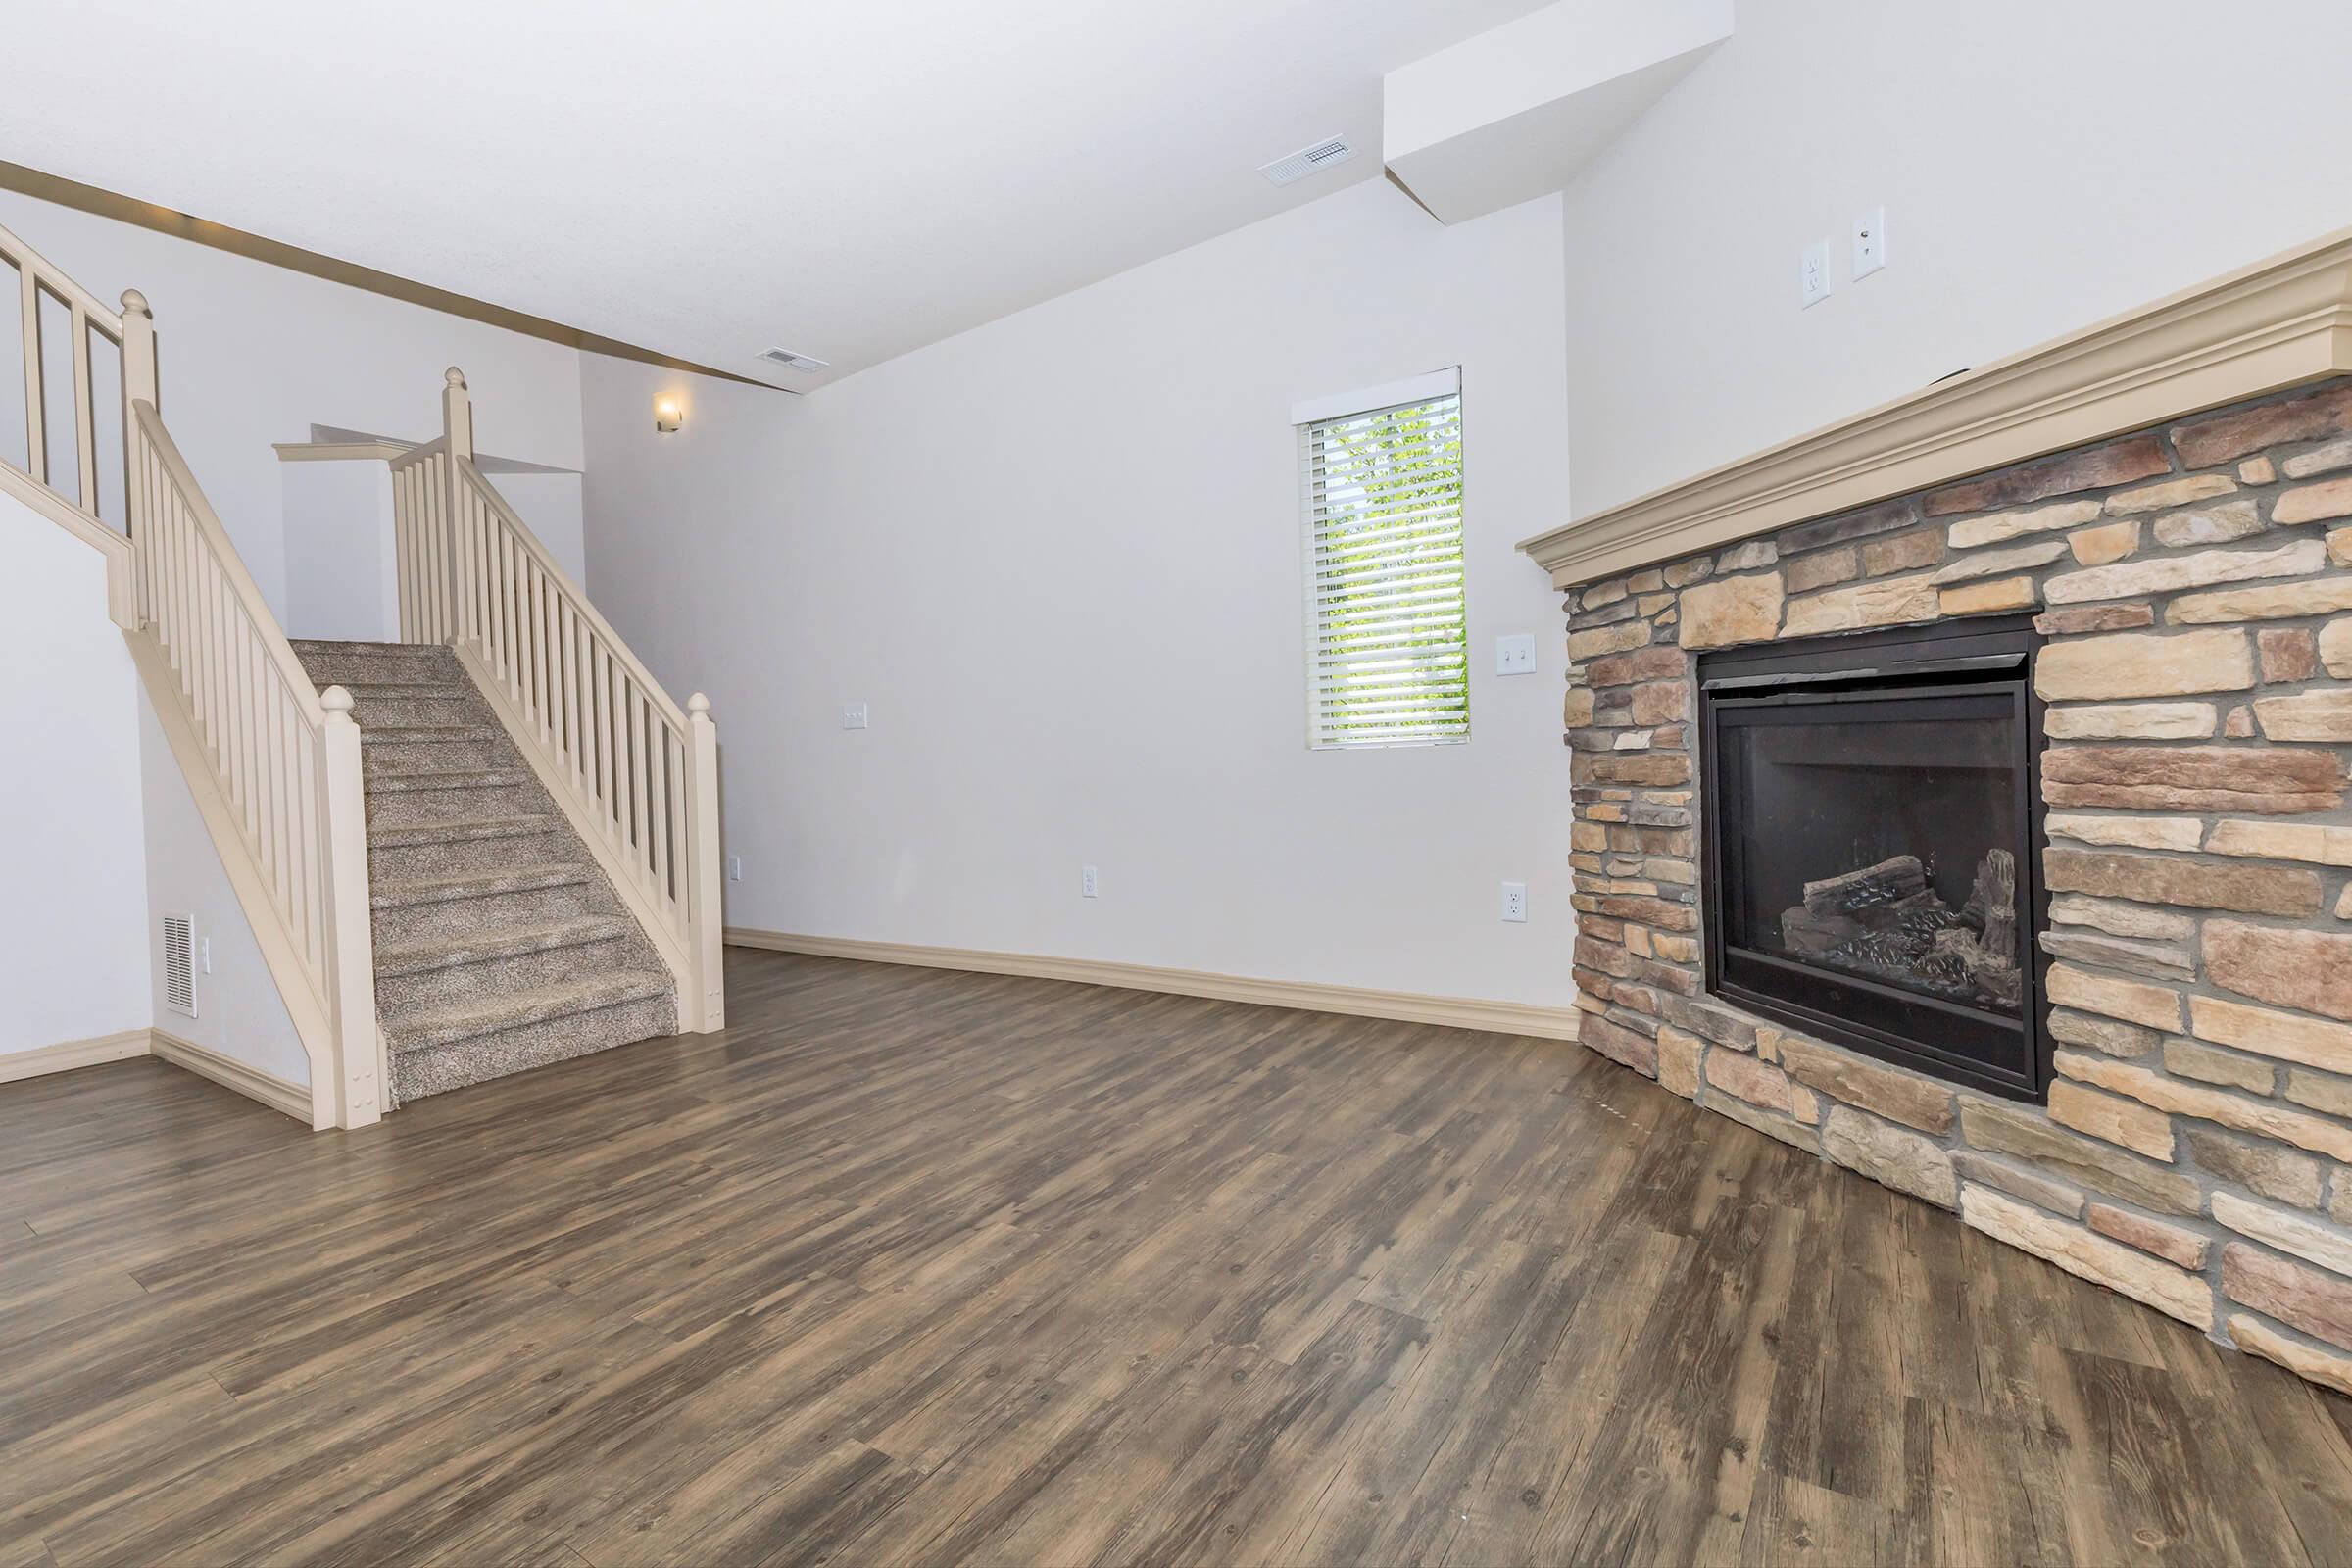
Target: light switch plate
[
  {"x": 1515, "y": 653},
  {"x": 852, "y": 717}
]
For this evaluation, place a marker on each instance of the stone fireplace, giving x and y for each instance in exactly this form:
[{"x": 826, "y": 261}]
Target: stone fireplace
[
  {"x": 1959, "y": 795},
  {"x": 1868, "y": 865}
]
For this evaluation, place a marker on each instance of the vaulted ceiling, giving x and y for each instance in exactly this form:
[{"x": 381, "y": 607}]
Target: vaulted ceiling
[{"x": 714, "y": 179}]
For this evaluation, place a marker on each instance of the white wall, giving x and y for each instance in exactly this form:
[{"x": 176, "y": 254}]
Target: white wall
[
  {"x": 240, "y": 1012},
  {"x": 2043, "y": 166},
  {"x": 73, "y": 902},
  {"x": 1060, "y": 557},
  {"x": 342, "y": 562},
  {"x": 249, "y": 354}
]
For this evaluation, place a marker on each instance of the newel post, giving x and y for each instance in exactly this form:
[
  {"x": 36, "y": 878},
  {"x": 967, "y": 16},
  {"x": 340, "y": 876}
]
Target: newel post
[
  {"x": 457, "y": 427},
  {"x": 708, "y": 927},
  {"x": 359, "y": 1069},
  {"x": 138, "y": 386}
]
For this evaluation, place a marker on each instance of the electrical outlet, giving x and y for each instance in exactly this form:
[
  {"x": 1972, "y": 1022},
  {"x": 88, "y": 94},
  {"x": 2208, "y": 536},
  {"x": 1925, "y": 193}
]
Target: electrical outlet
[
  {"x": 1813, "y": 274},
  {"x": 1870, "y": 243},
  {"x": 1514, "y": 902},
  {"x": 1515, "y": 653},
  {"x": 1090, "y": 882},
  {"x": 203, "y": 954},
  {"x": 852, "y": 717},
  {"x": 734, "y": 868}
]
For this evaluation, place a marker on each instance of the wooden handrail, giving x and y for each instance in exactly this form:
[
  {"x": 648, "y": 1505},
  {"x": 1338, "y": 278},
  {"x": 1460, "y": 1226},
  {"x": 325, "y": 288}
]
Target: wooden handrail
[
  {"x": 637, "y": 774},
  {"x": 269, "y": 637}
]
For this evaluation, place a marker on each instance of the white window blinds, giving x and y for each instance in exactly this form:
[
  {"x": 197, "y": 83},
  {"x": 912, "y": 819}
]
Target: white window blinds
[{"x": 1387, "y": 634}]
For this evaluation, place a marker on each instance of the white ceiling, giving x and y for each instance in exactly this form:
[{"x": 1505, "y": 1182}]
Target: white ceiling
[{"x": 713, "y": 177}]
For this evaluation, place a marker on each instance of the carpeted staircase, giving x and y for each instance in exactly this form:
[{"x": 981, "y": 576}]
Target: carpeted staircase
[{"x": 499, "y": 943}]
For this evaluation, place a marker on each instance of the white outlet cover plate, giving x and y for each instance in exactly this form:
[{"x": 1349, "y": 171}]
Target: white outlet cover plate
[
  {"x": 1515, "y": 653},
  {"x": 1813, "y": 274},
  {"x": 1090, "y": 882},
  {"x": 852, "y": 717},
  {"x": 1514, "y": 902}
]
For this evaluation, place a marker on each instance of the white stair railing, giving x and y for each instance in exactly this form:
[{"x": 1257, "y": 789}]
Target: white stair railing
[
  {"x": 637, "y": 775},
  {"x": 272, "y": 765},
  {"x": 277, "y": 776},
  {"x": 38, "y": 283}
]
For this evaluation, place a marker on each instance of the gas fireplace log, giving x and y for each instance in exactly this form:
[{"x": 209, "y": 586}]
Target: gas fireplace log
[{"x": 1890, "y": 881}]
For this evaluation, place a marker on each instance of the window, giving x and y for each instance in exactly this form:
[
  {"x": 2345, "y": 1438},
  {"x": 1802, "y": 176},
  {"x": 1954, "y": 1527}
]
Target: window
[{"x": 1388, "y": 643}]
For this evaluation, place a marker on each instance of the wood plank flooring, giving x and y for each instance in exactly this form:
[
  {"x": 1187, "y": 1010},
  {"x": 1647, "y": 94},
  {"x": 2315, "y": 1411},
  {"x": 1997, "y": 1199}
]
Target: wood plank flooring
[{"x": 917, "y": 1267}]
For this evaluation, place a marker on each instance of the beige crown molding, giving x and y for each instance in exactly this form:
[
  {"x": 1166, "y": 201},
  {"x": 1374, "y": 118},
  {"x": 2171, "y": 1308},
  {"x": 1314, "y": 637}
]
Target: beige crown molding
[
  {"x": 1405, "y": 1007},
  {"x": 2277, "y": 323}
]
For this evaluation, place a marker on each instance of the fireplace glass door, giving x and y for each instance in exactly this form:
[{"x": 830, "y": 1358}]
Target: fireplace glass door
[{"x": 1870, "y": 853}]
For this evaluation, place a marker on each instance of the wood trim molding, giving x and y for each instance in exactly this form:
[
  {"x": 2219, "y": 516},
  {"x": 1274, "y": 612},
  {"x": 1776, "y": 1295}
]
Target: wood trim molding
[
  {"x": 123, "y": 208},
  {"x": 278, "y": 1094},
  {"x": 1405, "y": 1007},
  {"x": 2277, "y": 323},
  {"x": 340, "y": 450},
  {"x": 67, "y": 1055}
]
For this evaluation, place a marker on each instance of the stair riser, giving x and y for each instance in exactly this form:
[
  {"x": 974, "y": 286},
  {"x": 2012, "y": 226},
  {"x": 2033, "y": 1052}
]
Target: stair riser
[
  {"x": 458, "y": 708},
  {"x": 493, "y": 977},
  {"x": 416, "y": 1074},
  {"x": 409, "y": 808},
  {"x": 420, "y": 756},
  {"x": 400, "y": 863},
  {"x": 463, "y": 917}
]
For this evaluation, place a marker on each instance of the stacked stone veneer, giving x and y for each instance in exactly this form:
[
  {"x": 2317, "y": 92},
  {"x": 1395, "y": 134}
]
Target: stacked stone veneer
[{"x": 2195, "y": 585}]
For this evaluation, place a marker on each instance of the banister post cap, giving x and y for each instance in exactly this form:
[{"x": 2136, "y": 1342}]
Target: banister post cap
[
  {"x": 698, "y": 704},
  {"x": 454, "y": 376},
  {"x": 134, "y": 303},
  {"x": 335, "y": 699}
]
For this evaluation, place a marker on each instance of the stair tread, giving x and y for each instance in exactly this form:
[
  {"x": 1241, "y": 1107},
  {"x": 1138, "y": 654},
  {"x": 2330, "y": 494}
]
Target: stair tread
[
  {"x": 387, "y": 734},
  {"x": 423, "y": 1028},
  {"x": 444, "y": 778},
  {"x": 458, "y": 832},
  {"x": 477, "y": 883},
  {"x": 513, "y": 940},
  {"x": 404, "y": 684}
]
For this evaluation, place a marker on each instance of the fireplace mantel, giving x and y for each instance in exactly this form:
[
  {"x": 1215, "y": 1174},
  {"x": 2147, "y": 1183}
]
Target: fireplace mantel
[{"x": 2263, "y": 329}]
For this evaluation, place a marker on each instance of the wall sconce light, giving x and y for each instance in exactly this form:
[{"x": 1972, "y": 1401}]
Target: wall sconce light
[{"x": 668, "y": 414}]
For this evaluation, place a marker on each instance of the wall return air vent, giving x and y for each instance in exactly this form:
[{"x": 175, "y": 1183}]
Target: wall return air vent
[
  {"x": 792, "y": 360},
  {"x": 1306, "y": 160},
  {"x": 179, "y": 964}
]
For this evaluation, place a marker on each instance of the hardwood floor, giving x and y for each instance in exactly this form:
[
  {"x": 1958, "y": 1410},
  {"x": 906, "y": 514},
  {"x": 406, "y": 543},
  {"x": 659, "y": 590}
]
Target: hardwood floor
[{"x": 918, "y": 1267}]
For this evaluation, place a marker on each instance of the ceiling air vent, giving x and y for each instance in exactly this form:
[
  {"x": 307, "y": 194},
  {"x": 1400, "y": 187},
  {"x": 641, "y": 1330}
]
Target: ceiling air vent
[
  {"x": 1306, "y": 160},
  {"x": 794, "y": 362},
  {"x": 179, "y": 965}
]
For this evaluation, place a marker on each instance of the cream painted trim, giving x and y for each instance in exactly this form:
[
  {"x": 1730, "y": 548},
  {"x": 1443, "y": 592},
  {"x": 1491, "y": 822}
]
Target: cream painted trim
[
  {"x": 278, "y": 1094},
  {"x": 2274, "y": 324},
  {"x": 115, "y": 547},
  {"x": 67, "y": 1055},
  {"x": 1406, "y": 1007},
  {"x": 281, "y": 955},
  {"x": 585, "y": 826},
  {"x": 340, "y": 450}
]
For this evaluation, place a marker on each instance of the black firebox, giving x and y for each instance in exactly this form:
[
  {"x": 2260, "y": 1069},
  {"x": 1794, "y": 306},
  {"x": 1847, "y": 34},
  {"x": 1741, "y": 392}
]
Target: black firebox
[{"x": 1871, "y": 861}]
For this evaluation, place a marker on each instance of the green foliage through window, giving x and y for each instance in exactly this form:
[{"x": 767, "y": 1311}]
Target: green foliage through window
[{"x": 1389, "y": 661}]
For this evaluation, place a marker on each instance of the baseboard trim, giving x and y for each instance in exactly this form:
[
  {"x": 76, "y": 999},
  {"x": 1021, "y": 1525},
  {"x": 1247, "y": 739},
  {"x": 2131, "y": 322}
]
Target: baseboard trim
[
  {"x": 229, "y": 1073},
  {"x": 67, "y": 1055},
  {"x": 1405, "y": 1007}
]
